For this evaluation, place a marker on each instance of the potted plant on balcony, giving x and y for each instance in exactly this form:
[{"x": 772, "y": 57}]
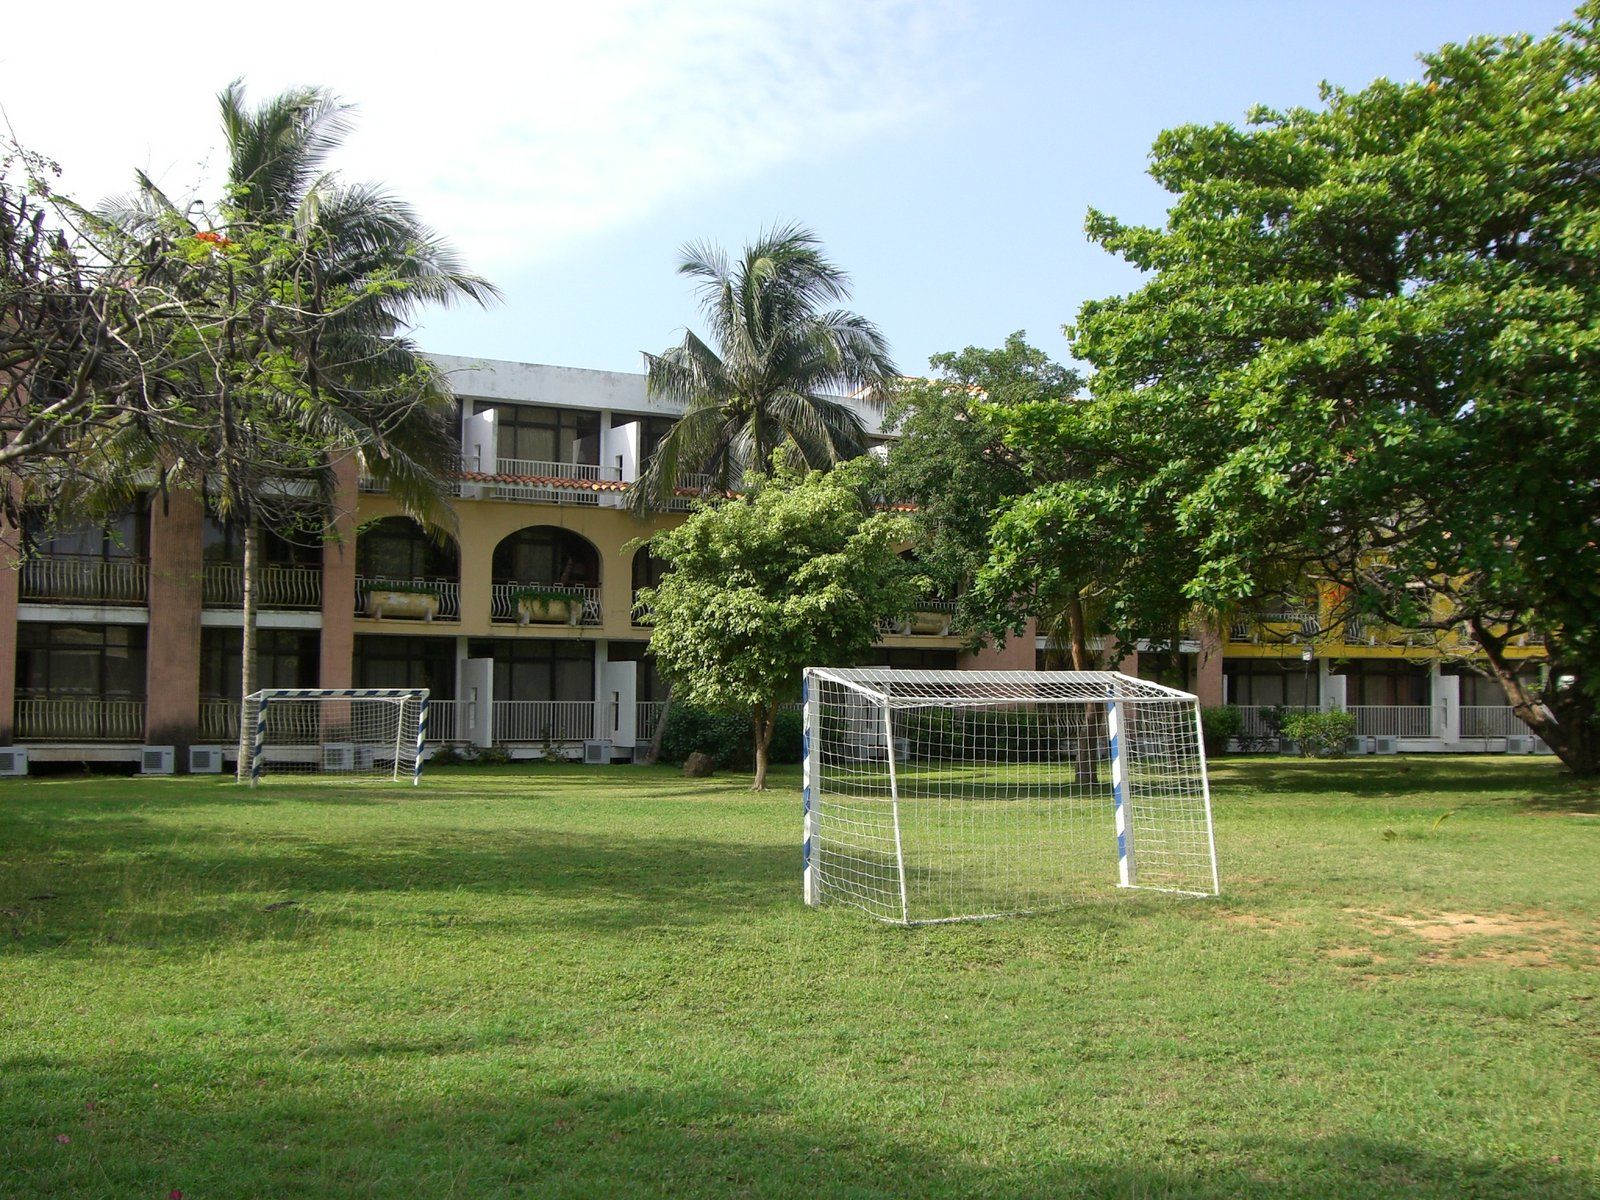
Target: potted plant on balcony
[
  {"x": 547, "y": 606},
  {"x": 930, "y": 622},
  {"x": 399, "y": 598}
]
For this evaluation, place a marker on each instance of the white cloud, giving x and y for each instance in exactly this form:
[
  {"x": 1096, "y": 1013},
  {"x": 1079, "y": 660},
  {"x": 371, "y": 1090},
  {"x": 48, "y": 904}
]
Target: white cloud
[{"x": 518, "y": 131}]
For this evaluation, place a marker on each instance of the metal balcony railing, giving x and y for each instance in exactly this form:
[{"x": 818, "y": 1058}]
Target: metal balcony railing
[
  {"x": 1491, "y": 720},
  {"x": 219, "y": 721},
  {"x": 78, "y": 719},
  {"x": 445, "y": 720},
  {"x": 646, "y": 714},
  {"x": 1263, "y": 720},
  {"x": 1395, "y": 720},
  {"x": 435, "y": 599},
  {"x": 1288, "y": 625},
  {"x": 585, "y": 602},
  {"x": 222, "y": 586},
  {"x": 63, "y": 579},
  {"x": 544, "y": 720}
]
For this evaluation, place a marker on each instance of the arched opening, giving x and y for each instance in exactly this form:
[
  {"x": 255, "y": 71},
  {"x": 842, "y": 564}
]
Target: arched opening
[
  {"x": 648, "y": 571},
  {"x": 544, "y": 574},
  {"x": 403, "y": 572}
]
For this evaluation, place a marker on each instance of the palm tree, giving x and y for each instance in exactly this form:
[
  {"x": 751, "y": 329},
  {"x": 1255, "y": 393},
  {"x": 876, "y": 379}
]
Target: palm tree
[
  {"x": 780, "y": 364},
  {"x": 302, "y": 312}
]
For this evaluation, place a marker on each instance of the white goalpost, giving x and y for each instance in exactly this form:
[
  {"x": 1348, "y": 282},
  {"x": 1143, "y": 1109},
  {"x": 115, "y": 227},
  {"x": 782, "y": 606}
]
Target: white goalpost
[
  {"x": 373, "y": 733},
  {"x": 958, "y": 795}
]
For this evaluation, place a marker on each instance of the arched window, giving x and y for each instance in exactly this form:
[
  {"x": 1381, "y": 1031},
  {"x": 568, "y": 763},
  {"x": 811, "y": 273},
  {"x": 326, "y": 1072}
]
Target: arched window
[
  {"x": 398, "y": 548},
  {"x": 548, "y": 555}
]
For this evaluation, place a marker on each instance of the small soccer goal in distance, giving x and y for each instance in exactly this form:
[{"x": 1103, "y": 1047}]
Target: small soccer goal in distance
[
  {"x": 958, "y": 795},
  {"x": 352, "y": 733}
]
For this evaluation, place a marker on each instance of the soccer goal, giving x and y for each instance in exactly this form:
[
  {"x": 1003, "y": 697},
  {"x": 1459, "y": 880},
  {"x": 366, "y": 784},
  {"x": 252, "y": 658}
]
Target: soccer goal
[
  {"x": 373, "y": 733},
  {"x": 956, "y": 795}
]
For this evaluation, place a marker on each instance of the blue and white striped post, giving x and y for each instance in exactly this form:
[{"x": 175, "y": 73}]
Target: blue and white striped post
[
  {"x": 259, "y": 744},
  {"x": 1119, "y": 793},
  {"x": 808, "y": 789},
  {"x": 422, "y": 735}
]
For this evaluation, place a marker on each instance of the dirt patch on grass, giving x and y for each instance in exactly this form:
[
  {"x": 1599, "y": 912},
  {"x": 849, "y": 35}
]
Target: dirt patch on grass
[
  {"x": 1538, "y": 939},
  {"x": 1253, "y": 920}
]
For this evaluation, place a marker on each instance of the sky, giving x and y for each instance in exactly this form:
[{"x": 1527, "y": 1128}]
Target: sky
[{"x": 945, "y": 151}]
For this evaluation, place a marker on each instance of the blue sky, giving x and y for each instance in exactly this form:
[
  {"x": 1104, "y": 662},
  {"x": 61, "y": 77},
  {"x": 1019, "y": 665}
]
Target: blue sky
[{"x": 945, "y": 151}]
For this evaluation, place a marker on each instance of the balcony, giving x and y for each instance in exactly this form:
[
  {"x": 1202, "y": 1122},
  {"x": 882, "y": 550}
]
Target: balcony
[
  {"x": 64, "y": 579},
  {"x": 219, "y": 722},
  {"x": 446, "y": 719},
  {"x": 646, "y": 714},
  {"x": 931, "y": 618},
  {"x": 541, "y": 481},
  {"x": 1395, "y": 720},
  {"x": 1282, "y": 627},
  {"x": 222, "y": 586},
  {"x": 581, "y": 607},
  {"x": 78, "y": 719},
  {"x": 1491, "y": 721},
  {"x": 408, "y": 599},
  {"x": 540, "y": 721}
]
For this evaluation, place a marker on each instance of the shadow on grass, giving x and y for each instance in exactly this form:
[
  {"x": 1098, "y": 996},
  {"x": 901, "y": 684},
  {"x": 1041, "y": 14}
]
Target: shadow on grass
[
  {"x": 256, "y": 1131},
  {"x": 1401, "y": 775}
]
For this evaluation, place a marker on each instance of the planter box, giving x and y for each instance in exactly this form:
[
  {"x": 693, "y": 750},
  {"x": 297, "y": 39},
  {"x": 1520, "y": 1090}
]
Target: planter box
[
  {"x": 547, "y": 612},
  {"x": 935, "y": 624},
  {"x": 413, "y": 606}
]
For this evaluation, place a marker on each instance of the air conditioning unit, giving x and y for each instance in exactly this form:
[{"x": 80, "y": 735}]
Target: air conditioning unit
[
  {"x": 13, "y": 761},
  {"x": 365, "y": 758},
  {"x": 205, "y": 760},
  {"x": 596, "y": 752},
  {"x": 157, "y": 760},
  {"x": 339, "y": 756},
  {"x": 1540, "y": 746},
  {"x": 1386, "y": 745},
  {"x": 1519, "y": 745},
  {"x": 641, "y": 751},
  {"x": 1358, "y": 745}
]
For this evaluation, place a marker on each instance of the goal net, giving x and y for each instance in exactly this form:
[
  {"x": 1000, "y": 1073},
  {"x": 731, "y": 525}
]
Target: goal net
[
  {"x": 955, "y": 795},
  {"x": 373, "y": 733}
]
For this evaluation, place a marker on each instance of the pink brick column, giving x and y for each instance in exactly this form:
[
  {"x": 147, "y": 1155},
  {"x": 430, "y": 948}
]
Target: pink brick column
[
  {"x": 1208, "y": 666},
  {"x": 10, "y": 576},
  {"x": 1018, "y": 654},
  {"x": 339, "y": 585},
  {"x": 172, "y": 653},
  {"x": 1130, "y": 664}
]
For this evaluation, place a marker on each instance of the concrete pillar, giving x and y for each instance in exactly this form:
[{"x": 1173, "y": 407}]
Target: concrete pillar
[
  {"x": 1018, "y": 654},
  {"x": 10, "y": 578},
  {"x": 339, "y": 584},
  {"x": 1130, "y": 664},
  {"x": 172, "y": 652},
  {"x": 1208, "y": 664}
]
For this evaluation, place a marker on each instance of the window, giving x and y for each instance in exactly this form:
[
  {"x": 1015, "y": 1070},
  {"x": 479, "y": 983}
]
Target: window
[
  {"x": 284, "y": 658},
  {"x": 382, "y": 661},
  {"x": 530, "y": 669},
  {"x": 1269, "y": 683},
  {"x": 223, "y": 542},
  {"x": 92, "y": 661},
  {"x": 1387, "y": 682},
  {"x": 920, "y": 660},
  {"x": 398, "y": 548},
  {"x": 545, "y": 554},
  {"x": 128, "y": 536},
  {"x": 648, "y": 571},
  {"x": 555, "y": 435}
]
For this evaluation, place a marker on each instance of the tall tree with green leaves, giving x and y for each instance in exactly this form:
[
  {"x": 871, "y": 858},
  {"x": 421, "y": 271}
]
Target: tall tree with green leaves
[
  {"x": 298, "y": 289},
  {"x": 952, "y": 463},
  {"x": 1367, "y": 352},
  {"x": 775, "y": 370},
  {"x": 798, "y": 571}
]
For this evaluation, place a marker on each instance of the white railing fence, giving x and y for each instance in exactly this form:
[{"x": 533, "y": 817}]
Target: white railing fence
[
  {"x": 1395, "y": 720},
  {"x": 544, "y": 720},
  {"x": 646, "y": 715},
  {"x": 79, "y": 719},
  {"x": 446, "y": 720},
  {"x": 219, "y": 721},
  {"x": 94, "y": 580},
  {"x": 1491, "y": 720},
  {"x": 585, "y": 601},
  {"x": 446, "y": 594},
  {"x": 222, "y": 585},
  {"x": 1263, "y": 720}
]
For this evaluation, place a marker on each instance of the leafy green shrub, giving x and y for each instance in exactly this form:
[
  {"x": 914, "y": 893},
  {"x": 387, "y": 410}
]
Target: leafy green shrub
[
  {"x": 1219, "y": 726},
  {"x": 727, "y": 736},
  {"x": 1320, "y": 734}
]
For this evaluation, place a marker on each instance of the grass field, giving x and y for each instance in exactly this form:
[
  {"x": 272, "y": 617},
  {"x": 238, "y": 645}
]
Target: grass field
[{"x": 601, "y": 982}]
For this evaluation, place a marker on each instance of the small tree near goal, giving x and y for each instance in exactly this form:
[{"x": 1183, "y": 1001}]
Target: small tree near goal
[
  {"x": 956, "y": 795},
  {"x": 372, "y": 733}
]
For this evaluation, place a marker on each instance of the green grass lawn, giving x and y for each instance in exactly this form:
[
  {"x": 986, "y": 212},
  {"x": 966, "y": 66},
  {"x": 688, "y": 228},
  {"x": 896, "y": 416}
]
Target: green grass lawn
[{"x": 602, "y": 982}]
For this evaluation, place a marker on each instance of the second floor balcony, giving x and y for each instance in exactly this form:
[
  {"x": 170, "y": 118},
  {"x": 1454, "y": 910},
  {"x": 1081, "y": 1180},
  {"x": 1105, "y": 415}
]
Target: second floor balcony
[
  {"x": 86, "y": 579},
  {"x": 222, "y": 586}
]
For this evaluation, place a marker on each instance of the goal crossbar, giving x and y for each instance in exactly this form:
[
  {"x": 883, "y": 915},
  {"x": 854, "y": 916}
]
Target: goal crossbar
[
  {"x": 288, "y": 729},
  {"x": 957, "y": 795}
]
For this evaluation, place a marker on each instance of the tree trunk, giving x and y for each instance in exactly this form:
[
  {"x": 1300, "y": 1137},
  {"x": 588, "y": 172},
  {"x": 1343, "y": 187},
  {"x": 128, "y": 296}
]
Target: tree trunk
[
  {"x": 1077, "y": 634},
  {"x": 247, "y": 659},
  {"x": 653, "y": 755},
  {"x": 1573, "y": 733},
  {"x": 763, "y": 720}
]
